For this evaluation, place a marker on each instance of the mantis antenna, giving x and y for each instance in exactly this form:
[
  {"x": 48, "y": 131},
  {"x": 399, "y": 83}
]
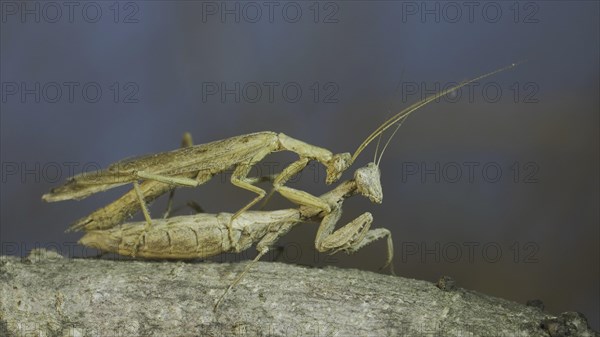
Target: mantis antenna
[
  {"x": 404, "y": 113},
  {"x": 389, "y": 140},
  {"x": 377, "y": 149},
  {"x": 389, "y": 113}
]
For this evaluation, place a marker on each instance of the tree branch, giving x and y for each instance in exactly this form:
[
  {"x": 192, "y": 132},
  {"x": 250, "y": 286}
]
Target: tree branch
[{"x": 46, "y": 294}]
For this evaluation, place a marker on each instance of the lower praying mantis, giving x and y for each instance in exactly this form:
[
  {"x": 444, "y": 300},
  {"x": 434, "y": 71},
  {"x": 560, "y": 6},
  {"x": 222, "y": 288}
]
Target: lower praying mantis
[
  {"x": 205, "y": 235},
  {"x": 195, "y": 165}
]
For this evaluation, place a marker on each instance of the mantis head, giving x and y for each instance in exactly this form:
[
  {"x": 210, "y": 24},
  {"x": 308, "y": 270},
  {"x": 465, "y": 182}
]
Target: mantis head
[
  {"x": 337, "y": 165},
  {"x": 368, "y": 182}
]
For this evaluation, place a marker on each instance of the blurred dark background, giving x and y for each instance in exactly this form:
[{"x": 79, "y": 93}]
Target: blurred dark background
[{"x": 496, "y": 185}]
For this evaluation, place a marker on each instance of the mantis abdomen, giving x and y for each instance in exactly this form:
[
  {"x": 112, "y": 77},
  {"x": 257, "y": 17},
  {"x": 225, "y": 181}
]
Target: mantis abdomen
[{"x": 191, "y": 237}]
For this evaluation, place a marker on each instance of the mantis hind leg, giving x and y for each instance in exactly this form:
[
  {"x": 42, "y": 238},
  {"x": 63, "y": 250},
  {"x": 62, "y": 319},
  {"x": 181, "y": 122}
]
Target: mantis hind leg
[
  {"x": 263, "y": 247},
  {"x": 241, "y": 276}
]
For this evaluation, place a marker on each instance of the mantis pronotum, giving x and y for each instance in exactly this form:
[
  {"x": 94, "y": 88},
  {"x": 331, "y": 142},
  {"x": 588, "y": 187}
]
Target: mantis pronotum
[{"x": 195, "y": 165}]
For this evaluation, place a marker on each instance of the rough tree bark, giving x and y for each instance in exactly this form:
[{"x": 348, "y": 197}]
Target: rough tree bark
[{"x": 48, "y": 295}]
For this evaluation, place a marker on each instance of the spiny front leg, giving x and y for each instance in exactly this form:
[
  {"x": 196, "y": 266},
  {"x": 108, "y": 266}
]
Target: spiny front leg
[
  {"x": 297, "y": 196},
  {"x": 352, "y": 236},
  {"x": 335, "y": 164}
]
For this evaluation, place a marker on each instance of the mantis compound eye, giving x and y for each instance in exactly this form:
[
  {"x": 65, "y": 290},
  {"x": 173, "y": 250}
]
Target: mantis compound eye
[
  {"x": 337, "y": 165},
  {"x": 368, "y": 182}
]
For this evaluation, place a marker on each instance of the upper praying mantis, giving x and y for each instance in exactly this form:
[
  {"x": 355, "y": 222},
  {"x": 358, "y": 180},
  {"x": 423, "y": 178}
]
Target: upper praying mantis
[{"x": 195, "y": 165}]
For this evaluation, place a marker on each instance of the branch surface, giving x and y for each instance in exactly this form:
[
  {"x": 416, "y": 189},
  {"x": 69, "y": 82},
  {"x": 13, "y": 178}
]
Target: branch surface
[{"x": 45, "y": 294}]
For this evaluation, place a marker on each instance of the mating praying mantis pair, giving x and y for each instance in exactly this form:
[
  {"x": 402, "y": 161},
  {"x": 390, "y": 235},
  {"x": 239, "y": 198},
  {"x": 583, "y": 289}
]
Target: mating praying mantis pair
[{"x": 205, "y": 235}]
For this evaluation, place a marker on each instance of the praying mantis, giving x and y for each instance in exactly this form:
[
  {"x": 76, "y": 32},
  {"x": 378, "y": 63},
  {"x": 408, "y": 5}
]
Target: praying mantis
[{"x": 197, "y": 164}]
